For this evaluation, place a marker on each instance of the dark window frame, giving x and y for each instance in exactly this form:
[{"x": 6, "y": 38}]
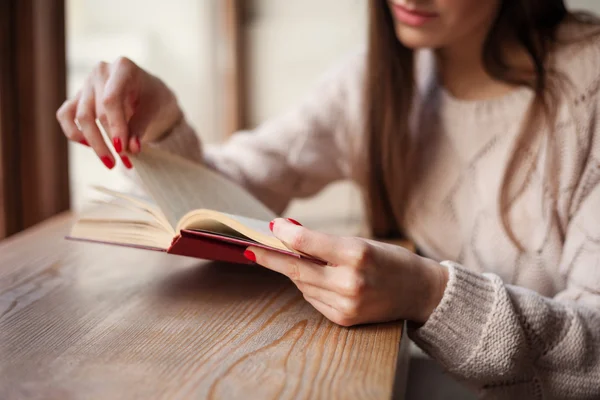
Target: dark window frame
[{"x": 34, "y": 180}]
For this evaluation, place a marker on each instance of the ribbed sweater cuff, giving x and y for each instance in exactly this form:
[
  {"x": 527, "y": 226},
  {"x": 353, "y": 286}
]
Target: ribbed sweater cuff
[{"x": 455, "y": 328}]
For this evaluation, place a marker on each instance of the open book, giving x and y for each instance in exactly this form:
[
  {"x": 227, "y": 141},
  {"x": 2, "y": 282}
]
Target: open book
[{"x": 193, "y": 211}]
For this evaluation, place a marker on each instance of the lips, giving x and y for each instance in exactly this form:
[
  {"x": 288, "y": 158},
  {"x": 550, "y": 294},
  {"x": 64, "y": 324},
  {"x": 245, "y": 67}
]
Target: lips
[{"x": 412, "y": 17}]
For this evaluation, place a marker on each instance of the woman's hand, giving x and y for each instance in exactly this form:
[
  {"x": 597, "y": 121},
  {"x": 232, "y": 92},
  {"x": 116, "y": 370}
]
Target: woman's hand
[
  {"x": 131, "y": 105},
  {"x": 366, "y": 281}
]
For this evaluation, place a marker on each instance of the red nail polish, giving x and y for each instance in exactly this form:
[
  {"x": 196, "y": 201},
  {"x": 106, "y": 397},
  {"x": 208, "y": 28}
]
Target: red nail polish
[
  {"x": 118, "y": 145},
  {"x": 84, "y": 142},
  {"x": 271, "y": 225},
  {"x": 126, "y": 162},
  {"x": 250, "y": 255},
  {"x": 108, "y": 161},
  {"x": 137, "y": 142},
  {"x": 293, "y": 221}
]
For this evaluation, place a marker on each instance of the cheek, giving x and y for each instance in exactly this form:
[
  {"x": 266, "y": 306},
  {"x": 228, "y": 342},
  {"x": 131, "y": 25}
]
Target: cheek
[
  {"x": 458, "y": 19},
  {"x": 466, "y": 16}
]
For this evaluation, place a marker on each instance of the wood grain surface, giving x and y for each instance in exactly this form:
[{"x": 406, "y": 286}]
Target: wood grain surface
[{"x": 91, "y": 321}]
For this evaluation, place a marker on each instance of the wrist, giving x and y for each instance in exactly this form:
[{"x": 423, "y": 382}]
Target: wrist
[
  {"x": 436, "y": 281},
  {"x": 166, "y": 133}
]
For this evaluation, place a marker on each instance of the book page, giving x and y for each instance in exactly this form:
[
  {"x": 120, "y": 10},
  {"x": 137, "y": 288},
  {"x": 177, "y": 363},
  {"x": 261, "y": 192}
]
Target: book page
[
  {"x": 203, "y": 220},
  {"x": 121, "y": 222},
  {"x": 233, "y": 226},
  {"x": 179, "y": 186},
  {"x": 141, "y": 204}
]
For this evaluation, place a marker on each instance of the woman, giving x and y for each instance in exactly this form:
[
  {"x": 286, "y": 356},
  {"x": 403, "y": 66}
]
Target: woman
[{"x": 487, "y": 155}]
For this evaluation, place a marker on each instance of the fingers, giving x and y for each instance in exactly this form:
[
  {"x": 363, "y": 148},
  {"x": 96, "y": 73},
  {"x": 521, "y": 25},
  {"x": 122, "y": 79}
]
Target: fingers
[
  {"x": 134, "y": 145},
  {"x": 66, "y": 118},
  {"x": 114, "y": 100},
  {"x": 99, "y": 85},
  {"x": 102, "y": 98},
  {"x": 347, "y": 307},
  {"x": 86, "y": 116},
  {"x": 330, "y": 298},
  {"x": 296, "y": 269},
  {"x": 334, "y": 249},
  {"x": 113, "y": 95},
  {"x": 340, "y": 292},
  {"x": 98, "y": 80},
  {"x": 329, "y": 312}
]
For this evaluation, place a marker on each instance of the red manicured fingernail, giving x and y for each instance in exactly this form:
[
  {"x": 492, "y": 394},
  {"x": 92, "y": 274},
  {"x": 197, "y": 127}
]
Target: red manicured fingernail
[
  {"x": 271, "y": 225},
  {"x": 84, "y": 142},
  {"x": 126, "y": 162},
  {"x": 293, "y": 221},
  {"x": 137, "y": 142},
  {"x": 108, "y": 161},
  {"x": 250, "y": 255},
  {"x": 118, "y": 145}
]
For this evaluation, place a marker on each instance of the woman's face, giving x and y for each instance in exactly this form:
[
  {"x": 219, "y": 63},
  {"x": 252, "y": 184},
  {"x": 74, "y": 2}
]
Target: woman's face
[{"x": 440, "y": 23}]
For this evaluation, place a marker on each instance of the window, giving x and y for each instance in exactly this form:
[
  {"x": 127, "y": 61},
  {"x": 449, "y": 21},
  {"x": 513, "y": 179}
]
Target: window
[
  {"x": 175, "y": 41},
  {"x": 285, "y": 49}
]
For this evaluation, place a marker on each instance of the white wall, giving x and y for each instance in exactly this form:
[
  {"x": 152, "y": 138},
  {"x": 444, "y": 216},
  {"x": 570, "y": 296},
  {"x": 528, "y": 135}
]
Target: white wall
[
  {"x": 590, "y": 5},
  {"x": 174, "y": 40},
  {"x": 291, "y": 44}
]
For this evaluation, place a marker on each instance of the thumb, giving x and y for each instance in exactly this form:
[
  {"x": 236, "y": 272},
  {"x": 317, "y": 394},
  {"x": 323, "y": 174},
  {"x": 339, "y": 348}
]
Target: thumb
[{"x": 326, "y": 247}]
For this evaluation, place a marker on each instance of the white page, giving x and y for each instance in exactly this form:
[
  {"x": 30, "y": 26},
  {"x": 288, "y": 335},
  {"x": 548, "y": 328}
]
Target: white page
[{"x": 179, "y": 186}]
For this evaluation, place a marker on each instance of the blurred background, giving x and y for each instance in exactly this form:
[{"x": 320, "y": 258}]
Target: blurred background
[
  {"x": 232, "y": 63},
  {"x": 286, "y": 45}
]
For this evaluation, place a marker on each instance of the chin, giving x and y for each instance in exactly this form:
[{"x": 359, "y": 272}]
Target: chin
[{"x": 415, "y": 38}]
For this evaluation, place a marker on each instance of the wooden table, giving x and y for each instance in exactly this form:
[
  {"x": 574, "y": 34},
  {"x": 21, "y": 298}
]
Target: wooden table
[{"x": 91, "y": 321}]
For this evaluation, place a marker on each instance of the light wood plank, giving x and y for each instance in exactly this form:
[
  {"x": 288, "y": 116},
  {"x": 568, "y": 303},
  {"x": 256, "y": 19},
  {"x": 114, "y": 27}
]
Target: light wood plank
[{"x": 92, "y": 321}]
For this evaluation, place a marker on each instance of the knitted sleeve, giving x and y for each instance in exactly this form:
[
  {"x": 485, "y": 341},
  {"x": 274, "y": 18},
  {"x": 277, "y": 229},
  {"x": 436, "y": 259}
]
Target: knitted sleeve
[{"x": 510, "y": 342}]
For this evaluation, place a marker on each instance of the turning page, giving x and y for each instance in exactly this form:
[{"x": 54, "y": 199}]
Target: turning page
[{"x": 178, "y": 186}]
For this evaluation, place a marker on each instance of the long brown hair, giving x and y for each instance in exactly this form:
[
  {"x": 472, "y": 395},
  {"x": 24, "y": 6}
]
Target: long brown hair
[{"x": 390, "y": 88}]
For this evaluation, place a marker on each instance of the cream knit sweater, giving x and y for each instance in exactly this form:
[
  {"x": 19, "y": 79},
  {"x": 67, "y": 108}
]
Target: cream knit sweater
[{"x": 511, "y": 324}]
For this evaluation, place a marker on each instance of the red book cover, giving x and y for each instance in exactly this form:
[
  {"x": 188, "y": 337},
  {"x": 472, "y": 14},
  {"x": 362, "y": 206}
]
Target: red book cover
[
  {"x": 210, "y": 246},
  {"x": 207, "y": 246}
]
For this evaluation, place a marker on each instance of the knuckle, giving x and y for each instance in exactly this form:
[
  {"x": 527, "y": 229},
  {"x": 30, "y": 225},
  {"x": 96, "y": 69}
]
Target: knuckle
[
  {"x": 354, "y": 286},
  {"x": 343, "y": 321},
  {"x": 306, "y": 296},
  {"x": 360, "y": 254},
  {"x": 101, "y": 115},
  {"x": 101, "y": 68},
  {"x": 124, "y": 63},
  {"x": 85, "y": 115},
  {"x": 299, "y": 240},
  {"x": 60, "y": 113},
  {"x": 294, "y": 271},
  {"x": 70, "y": 134},
  {"x": 110, "y": 99},
  {"x": 348, "y": 307},
  {"x": 64, "y": 109}
]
